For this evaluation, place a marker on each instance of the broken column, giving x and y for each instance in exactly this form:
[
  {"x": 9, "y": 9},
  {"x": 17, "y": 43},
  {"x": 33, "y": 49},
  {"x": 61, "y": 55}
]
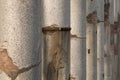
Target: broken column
[{"x": 56, "y": 33}]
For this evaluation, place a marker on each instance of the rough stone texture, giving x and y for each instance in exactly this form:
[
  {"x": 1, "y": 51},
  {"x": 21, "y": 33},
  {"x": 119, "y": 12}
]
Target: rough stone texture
[{"x": 19, "y": 35}]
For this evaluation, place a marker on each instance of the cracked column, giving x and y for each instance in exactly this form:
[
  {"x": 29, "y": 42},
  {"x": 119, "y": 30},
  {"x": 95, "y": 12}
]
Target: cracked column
[
  {"x": 91, "y": 41},
  {"x": 100, "y": 40},
  {"x": 19, "y": 40},
  {"x": 112, "y": 19},
  {"x": 107, "y": 55},
  {"x": 56, "y": 33},
  {"x": 78, "y": 40}
]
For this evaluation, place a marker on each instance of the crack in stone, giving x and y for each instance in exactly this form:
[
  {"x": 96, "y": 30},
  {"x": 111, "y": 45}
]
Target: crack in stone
[
  {"x": 7, "y": 65},
  {"x": 75, "y": 36}
]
